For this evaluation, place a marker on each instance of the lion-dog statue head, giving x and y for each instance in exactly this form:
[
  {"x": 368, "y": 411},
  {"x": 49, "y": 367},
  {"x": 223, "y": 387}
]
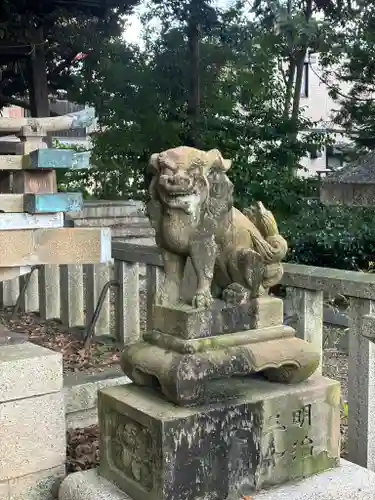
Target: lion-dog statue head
[{"x": 191, "y": 181}]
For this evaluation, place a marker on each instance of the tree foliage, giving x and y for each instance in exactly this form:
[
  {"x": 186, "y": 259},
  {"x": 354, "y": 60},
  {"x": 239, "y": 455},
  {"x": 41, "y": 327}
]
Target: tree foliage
[
  {"x": 349, "y": 63},
  {"x": 142, "y": 96},
  {"x": 67, "y": 32}
]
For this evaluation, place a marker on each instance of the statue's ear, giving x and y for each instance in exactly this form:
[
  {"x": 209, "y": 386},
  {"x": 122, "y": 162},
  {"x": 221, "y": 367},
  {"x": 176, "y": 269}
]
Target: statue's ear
[
  {"x": 215, "y": 160},
  {"x": 153, "y": 164}
]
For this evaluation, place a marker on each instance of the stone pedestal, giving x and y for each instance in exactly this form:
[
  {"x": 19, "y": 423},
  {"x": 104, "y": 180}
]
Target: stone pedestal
[
  {"x": 188, "y": 349},
  {"x": 32, "y": 422},
  {"x": 269, "y": 435}
]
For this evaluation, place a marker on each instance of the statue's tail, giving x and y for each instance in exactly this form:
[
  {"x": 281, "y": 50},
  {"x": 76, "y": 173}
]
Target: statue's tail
[{"x": 268, "y": 242}]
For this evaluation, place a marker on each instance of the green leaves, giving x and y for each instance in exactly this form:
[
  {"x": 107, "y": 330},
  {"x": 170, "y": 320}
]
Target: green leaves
[
  {"x": 328, "y": 236},
  {"x": 141, "y": 97}
]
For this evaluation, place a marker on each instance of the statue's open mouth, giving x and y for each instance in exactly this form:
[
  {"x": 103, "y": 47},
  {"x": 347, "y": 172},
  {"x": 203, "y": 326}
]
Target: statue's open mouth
[
  {"x": 180, "y": 192},
  {"x": 186, "y": 202}
]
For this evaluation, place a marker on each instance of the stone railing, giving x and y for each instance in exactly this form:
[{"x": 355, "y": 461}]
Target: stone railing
[
  {"x": 71, "y": 292},
  {"x": 305, "y": 287},
  {"x": 67, "y": 292}
]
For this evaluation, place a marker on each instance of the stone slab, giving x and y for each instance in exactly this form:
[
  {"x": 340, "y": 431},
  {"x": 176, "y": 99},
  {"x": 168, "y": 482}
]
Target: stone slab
[
  {"x": 32, "y": 436},
  {"x": 187, "y": 322},
  {"x": 53, "y": 202},
  {"x": 54, "y": 158},
  {"x": 8, "y": 337},
  {"x": 16, "y": 220},
  {"x": 269, "y": 435},
  {"x": 55, "y": 246},
  {"x": 28, "y": 370},
  {"x": 41, "y": 485},
  {"x": 347, "y": 482}
]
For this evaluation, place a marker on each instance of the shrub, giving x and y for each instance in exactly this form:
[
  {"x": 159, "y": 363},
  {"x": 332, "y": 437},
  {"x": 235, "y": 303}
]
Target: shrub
[{"x": 328, "y": 236}]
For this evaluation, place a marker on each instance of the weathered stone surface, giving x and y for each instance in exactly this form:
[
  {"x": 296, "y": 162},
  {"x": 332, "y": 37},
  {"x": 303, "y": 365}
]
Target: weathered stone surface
[
  {"x": 32, "y": 436},
  {"x": 11, "y": 338},
  {"x": 236, "y": 256},
  {"x": 187, "y": 322},
  {"x": 42, "y": 485},
  {"x": 219, "y": 341},
  {"x": 331, "y": 281},
  {"x": 88, "y": 485},
  {"x": 28, "y": 370},
  {"x": 348, "y": 481},
  {"x": 269, "y": 435},
  {"x": 4, "y": 490},
  {"x": 186, "y": 379},
  {"x": 81, "y": 394}
]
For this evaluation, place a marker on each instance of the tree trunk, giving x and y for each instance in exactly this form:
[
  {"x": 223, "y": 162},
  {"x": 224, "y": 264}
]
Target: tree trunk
[
  {"x": 299, "y": 65},
  {"x": 38, "y": 84},
  {"x": 289, "y": 87},
  {"x": 194, "y": 83}
]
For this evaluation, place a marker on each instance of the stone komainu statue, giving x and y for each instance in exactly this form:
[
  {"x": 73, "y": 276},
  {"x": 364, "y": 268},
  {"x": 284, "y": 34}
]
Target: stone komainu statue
[{"x": 235, "y": 256}]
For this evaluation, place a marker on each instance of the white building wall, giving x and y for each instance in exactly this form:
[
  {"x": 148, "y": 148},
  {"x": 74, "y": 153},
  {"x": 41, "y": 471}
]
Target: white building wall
[{"x": 318, "y": 106}]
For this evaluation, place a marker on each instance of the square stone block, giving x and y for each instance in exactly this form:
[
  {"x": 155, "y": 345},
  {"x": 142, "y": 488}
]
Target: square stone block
[
  {"x": 187, "y": 322},
  {"x": 28, "y": 370},
  {"x": 269, "y": 434},
  {"x": 32, "y": 435}
]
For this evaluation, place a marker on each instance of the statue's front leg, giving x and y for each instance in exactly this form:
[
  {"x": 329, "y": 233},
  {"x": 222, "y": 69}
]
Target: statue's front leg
[
  {"x": 203, "y": 252},
  {"x": 174, "y": 266}
]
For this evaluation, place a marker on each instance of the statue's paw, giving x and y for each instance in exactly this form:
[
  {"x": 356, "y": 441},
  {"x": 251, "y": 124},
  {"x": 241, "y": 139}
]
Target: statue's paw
[
  {"x": 202, "y": 300},
  {"x": 236, "y": 294}
]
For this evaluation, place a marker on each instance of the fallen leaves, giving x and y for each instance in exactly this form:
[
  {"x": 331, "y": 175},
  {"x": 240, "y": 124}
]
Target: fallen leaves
[
  {"x": 82, "y": 449},
  {"x": 53, "y": 335}
]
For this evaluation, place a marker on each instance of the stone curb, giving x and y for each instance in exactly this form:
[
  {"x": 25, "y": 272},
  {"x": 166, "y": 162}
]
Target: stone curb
[
  {"x": 81, "y": 395},
  {"x": 349, "y": 481}
]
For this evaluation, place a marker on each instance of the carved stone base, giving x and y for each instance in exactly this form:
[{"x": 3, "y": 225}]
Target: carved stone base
[
  {"x": 184, "y": 370},
  {"x": 270, "y": 435},
  {"x": 189, "y": 323}
]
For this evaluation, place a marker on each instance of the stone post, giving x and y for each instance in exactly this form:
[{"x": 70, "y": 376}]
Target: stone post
[
  {"x": 127, "y": 302},
  {"x": 30, "y": 302},
  {"x": 96, "y": 277},
  {"x": 9, "y": 291},
  {"x": 305, "y": 308},
  {"x": 71, "y": 290},
  {"x": 154, "y": 277},
  {"x": 32, "y": 420},
  {"x": 49, "y": 292},
  {"x": 361, "y": 386}
]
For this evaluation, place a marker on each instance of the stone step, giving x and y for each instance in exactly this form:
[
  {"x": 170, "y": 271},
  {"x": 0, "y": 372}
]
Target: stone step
[
  {"x": 347, "y": 482},
  {"x": 139, "y": 231},
  {"x": 140, "y": 220},
  {"x": 150, "y": 240},
  {"x": 110, "y": 209}
]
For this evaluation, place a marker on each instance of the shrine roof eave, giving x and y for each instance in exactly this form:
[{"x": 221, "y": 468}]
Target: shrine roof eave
[{"x": 359, "y": 172}]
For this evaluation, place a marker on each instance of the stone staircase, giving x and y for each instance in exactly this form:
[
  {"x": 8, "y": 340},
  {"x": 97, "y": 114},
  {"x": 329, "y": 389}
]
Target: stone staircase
[{"x": 125, "y": 218}]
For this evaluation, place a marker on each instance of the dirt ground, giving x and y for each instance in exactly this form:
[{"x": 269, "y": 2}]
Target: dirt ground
[{"x": 83, "y": 452}]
